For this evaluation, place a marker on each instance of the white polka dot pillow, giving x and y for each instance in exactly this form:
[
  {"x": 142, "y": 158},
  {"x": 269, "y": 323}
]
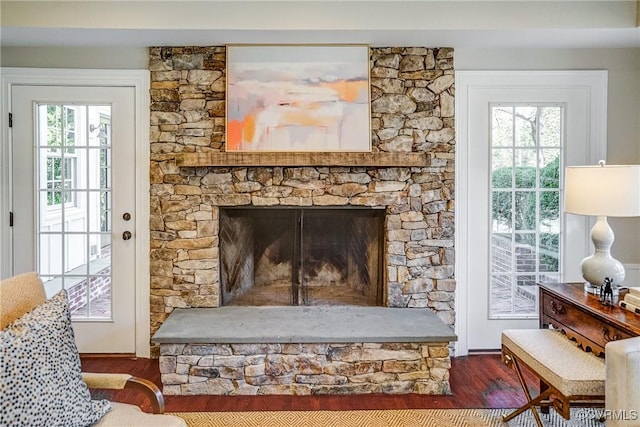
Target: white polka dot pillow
[{"x": 40, "y": 376}]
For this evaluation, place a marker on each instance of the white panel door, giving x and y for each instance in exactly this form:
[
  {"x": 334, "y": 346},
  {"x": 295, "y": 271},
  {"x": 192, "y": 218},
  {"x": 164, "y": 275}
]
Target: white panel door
[
  {"x": 520, "y": 134},
  {"x": 73, "y": 187}
]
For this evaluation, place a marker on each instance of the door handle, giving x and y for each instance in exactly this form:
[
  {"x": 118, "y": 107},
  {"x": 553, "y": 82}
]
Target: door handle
[{"x": 126, "y": 235}]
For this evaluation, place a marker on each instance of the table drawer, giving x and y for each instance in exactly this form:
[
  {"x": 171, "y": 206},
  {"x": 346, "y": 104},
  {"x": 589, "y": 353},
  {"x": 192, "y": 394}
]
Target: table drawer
[{"x": 580, "y": 322}]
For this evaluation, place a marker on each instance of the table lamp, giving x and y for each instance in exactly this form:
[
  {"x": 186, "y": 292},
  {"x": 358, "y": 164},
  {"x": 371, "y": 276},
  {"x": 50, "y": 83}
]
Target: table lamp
[{"x": 602, "y": 191}]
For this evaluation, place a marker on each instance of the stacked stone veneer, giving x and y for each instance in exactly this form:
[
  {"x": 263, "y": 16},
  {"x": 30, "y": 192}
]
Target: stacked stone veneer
[
  {"x": 302, "y": 369},
  {"x": 412, "y": 109}
]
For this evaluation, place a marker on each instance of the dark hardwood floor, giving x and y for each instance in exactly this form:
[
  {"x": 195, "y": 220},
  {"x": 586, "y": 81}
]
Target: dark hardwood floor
[{"x": 477, "y": 381}]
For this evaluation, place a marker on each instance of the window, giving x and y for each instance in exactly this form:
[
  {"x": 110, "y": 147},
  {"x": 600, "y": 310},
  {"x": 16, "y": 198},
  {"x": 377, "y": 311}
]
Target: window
[
  {"x": 59, "y": 177},
  {"x": 74, "y": 204},
  {"x": 526, "y": 153},
  {"x": 105, "y": 172},
  {"x": 60, "y": 155}
]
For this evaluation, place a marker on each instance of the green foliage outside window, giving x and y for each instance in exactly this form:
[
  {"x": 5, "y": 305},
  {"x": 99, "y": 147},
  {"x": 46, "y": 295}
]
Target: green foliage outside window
[{"x": 525, "y": 204}]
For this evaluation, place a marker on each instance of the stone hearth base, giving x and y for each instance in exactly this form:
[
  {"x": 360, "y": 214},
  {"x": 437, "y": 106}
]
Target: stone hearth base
[
  {"x": 302, "y": 369},
  {"x": 304, "y": 350}
]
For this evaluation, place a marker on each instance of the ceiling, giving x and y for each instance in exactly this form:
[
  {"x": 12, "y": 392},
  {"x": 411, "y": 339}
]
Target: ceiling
[{"x": 453, "y": 23}]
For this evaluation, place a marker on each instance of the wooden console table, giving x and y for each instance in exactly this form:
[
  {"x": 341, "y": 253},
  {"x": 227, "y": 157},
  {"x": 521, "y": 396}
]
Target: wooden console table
[{"x": 583, "y": 318}]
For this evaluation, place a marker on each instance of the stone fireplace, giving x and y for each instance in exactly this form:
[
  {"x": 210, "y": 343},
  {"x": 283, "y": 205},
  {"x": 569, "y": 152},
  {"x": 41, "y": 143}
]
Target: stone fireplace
[
  {"x": 301, "y": 256},
  {"x": 406, "y": 183}
]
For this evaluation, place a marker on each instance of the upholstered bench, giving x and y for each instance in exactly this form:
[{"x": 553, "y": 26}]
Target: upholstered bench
[{"x": 567, "y": 373}]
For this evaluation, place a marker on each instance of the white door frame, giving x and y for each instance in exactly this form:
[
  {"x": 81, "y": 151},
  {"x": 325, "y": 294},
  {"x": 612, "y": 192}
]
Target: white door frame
[
  {"x": 139, "y": 80},
  {"x": 593, "y": 81}
]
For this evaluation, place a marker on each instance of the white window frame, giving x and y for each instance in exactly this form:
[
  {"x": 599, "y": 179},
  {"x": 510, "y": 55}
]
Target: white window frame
[{"x": 592, "y": 81}]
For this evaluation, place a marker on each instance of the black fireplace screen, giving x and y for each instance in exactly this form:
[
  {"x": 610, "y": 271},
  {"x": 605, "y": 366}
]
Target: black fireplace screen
[{"x": 294, "y": 256}]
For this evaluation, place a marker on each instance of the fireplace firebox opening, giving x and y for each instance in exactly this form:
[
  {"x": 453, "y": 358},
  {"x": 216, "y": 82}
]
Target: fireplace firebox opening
[{"x": 302, "y": 256}]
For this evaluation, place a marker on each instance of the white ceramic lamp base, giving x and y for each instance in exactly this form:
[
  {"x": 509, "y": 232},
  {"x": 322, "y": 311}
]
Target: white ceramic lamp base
[{"x": 601, "y": 264}]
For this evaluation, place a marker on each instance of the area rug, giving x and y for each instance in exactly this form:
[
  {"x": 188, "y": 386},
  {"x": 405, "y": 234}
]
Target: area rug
[{"x": 388, "y": 418}]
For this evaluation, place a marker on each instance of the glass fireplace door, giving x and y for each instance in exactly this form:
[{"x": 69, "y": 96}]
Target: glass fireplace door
[{"x": 314, "y": 256}]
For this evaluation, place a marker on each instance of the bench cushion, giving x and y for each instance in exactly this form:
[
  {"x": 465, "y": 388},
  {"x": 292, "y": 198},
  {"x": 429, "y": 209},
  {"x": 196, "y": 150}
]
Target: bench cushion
[{"x": 558, "y": 360}]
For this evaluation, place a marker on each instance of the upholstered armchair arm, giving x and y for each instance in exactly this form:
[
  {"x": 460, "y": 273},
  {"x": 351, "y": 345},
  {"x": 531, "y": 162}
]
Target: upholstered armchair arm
[
  {"x": 127, "y": 382},
  {"x": 622, "y": 395}
]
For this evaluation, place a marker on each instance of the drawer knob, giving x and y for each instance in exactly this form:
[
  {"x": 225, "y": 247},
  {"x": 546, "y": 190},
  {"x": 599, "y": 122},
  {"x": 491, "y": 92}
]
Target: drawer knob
[
  {"x": 556, "y": 308},
  {"x": 607, "y": 335}
]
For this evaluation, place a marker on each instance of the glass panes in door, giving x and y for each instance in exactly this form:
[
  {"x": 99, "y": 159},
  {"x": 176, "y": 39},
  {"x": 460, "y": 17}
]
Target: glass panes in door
[
  {"x": 73, "y": 159},
  {"x": 526, "y": 160}
]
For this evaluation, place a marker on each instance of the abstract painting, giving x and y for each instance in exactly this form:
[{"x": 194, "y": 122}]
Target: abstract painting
[{"x": 292, "y": 98}]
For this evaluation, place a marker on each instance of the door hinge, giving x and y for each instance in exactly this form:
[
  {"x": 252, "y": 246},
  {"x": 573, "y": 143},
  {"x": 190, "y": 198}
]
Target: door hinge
[
  {"x": 10, "y": 219},
  {"x": 10, "y": 120}
]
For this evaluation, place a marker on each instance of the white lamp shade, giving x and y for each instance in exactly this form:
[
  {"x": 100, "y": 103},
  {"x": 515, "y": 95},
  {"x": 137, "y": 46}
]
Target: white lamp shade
[{"x": 609, "y": 190}]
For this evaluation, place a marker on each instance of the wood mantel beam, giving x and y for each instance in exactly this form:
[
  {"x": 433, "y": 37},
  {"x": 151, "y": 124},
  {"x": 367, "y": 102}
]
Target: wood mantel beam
[{"x": 303, "y": 159}]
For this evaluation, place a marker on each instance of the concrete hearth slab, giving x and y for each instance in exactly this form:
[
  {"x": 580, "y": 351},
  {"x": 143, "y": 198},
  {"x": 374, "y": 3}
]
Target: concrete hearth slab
[{"x": 316, "y": 324}]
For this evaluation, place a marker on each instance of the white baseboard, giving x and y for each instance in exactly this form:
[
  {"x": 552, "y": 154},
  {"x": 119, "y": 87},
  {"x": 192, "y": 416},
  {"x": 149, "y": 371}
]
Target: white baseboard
[{"x": 632, "y": 277}]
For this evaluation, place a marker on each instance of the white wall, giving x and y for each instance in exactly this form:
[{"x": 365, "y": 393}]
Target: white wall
[
  {"x": 130, "y": 58},
  {"x": 623, "y": 108}
]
